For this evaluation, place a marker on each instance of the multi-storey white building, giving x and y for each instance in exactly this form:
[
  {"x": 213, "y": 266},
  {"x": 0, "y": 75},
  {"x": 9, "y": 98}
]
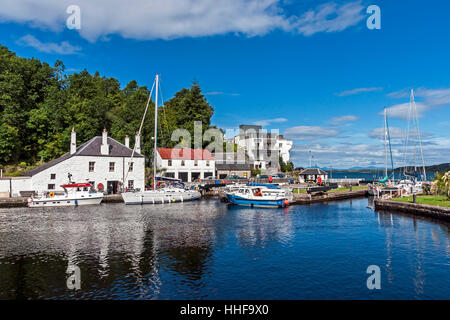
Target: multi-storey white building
[
  {"x": 262, "y": 148},
  {"x": 102, "y": 161},
  {"x": 185, "y": 164}
]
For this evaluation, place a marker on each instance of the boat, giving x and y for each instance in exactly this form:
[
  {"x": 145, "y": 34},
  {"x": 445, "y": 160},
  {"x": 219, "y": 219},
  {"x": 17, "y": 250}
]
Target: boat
[
  {"x": 75, "y": 194},
  {"x": 263, "y": 197},
  {"x": 162, "y": 195}
]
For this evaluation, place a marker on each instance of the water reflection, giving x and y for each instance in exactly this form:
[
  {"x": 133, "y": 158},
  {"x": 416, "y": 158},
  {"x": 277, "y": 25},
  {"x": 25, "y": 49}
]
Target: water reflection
[{"x": 207, "y": 249}]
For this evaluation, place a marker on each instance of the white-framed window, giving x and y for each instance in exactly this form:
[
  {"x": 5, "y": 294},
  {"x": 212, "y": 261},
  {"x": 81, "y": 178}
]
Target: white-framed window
[
  {"x": 207, "y": 163},
  {"x": 182, "y": 163},
  {"x": 91, "y": 166},
  {"x": 169, "y": 162},
  {"x": 51, "y": 187},
  {"x": 195, "y": 163},
  {"x": 130, "y": 184},
  {"x": 53, "y": 176},
  {"x": 112, "y": 166},
  {"x": 130, "y": 166}
]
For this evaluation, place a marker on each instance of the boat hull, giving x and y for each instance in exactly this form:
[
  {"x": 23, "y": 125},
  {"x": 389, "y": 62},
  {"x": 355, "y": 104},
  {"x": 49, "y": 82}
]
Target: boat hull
[
  {"x": 64, "y": 202},
  {"x": 261, "y": 203},
  {"x": 155, "y": 197}
]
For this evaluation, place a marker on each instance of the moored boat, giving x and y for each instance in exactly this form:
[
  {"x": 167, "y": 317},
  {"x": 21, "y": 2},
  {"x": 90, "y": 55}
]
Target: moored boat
[
  {"x": 160, "y": 196},
  {"x": 258, "y": 197},
  {"x": 75, "y": 194}
]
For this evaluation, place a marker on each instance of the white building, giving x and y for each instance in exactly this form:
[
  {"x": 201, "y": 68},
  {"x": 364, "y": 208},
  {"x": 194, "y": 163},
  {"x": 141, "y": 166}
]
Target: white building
[
  {"x": 263, "y": 149},
  {"x": 100, "y": 161},
  {"x": 313, "y": 175},
  {"x": 185, "y": 164}
]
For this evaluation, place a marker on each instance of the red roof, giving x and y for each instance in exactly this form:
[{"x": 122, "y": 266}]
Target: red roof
[{"x": 185, "y": 154}]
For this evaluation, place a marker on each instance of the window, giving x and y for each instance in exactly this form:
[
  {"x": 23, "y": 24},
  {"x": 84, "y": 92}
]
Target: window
[
  {"x": 207, "y": 163},
  {"x": 51, "y": 187},
  {"x": 130, "y": 166},
  {"x": 112, "y": 166},
  {"x": 53, "y": 176},
  {"x": 169, "y": 163},
  {"x": 130, "y": 184},
  {"x": 182, "y": 163},
  {"x": 195, "y": 163},
  {"x": 91, "y": 166}
]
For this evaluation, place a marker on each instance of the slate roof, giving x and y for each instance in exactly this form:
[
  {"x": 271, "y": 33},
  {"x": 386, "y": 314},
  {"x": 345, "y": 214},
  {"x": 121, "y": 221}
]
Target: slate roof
[
  {"x": 185, "y": 154},
  {"x": 313, "y": 171},
  {"x": 90, "y": 148},
  {"x": 233, "y": 166}
]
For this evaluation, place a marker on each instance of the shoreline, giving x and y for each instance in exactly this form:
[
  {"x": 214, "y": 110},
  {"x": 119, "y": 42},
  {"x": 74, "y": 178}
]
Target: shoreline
[{"x": 418, "y": 209}]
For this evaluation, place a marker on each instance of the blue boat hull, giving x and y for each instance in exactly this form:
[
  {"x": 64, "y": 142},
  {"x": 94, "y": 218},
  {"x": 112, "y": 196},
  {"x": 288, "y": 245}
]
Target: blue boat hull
[{"x": 234, "y": 199}]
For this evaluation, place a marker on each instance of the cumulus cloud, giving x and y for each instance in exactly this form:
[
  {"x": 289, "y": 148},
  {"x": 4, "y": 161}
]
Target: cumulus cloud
[
  {"x": 342, "y": 119},
  {"x": 48, "y": 47},
  {"x": 170, "y": 19},
  {"x": 269, "y": 121},
  {"x": 358, "y": 90},
  {"x": 309, "y": 133},
  {"x": 401, "y": 111}
]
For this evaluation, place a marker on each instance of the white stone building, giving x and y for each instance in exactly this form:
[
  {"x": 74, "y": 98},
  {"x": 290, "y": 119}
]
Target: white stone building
[
  {"x": 313, "y": 175},
  {"x": 262, "y": 148},
  {"x": 101, "y": 160},
  {"x": 187, "y": 165}
]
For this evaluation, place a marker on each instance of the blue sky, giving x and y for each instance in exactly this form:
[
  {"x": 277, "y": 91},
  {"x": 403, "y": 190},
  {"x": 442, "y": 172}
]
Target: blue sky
[{"x": 311, "y": 69}]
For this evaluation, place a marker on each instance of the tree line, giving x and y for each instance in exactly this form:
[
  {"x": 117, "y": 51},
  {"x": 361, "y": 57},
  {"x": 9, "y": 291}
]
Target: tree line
[{"x": 39, "y": 105}]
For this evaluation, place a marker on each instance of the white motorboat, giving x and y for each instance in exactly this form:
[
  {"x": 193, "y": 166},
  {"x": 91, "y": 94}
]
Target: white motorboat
[
  {"x": 160, "y": 196},
  {"x": 75, "y": 194}
]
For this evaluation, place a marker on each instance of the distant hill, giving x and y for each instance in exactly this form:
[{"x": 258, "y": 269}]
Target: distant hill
[{"x": 444, "y": 167}]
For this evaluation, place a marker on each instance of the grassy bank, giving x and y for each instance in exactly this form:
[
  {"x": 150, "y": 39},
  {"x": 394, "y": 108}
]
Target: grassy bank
[
  {"x": 342, "y": 189},
  {"x": 440, "y": 201}
]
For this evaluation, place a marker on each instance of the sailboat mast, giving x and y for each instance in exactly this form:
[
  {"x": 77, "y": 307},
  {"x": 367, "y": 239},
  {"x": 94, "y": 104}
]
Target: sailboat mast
[
  {"x": 385, "y": 143},
  {"x": 155, "y": 154},
  {"x": 416, "y": 119}
]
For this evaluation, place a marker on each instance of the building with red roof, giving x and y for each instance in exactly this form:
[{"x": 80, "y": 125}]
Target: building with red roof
[{"x": 187, "y": 165}]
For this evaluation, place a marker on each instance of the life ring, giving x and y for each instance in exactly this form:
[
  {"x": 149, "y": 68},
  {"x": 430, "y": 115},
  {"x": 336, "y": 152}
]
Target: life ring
[
  {"x": 51, "y": 194},
  {"x": 100, "y": 186}
]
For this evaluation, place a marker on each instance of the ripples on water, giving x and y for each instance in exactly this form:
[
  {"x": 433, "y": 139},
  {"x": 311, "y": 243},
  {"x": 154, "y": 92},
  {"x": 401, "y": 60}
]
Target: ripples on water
[{"x": 209, "y": 250}]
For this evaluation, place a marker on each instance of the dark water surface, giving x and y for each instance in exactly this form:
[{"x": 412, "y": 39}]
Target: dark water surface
[{"x": 209, "y": 250}]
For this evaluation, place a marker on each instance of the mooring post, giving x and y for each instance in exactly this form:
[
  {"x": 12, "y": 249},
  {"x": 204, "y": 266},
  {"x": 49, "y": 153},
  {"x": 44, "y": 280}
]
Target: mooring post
[{"x": 414, "y": 198}]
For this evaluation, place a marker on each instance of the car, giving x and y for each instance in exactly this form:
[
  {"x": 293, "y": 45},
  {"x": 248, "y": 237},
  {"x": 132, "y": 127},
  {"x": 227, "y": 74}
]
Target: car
[
  {"x": 262, "y": 176},
  {"x": 211, "y": 178},
  {"x": 235, "y": 177},
  {"x": 279, "y": 176}
]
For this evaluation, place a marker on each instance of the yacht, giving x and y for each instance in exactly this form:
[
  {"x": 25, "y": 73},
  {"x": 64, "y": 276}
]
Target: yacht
[
  {"x": 75, "y": 194},
  {"x": 259, "y": 196}
]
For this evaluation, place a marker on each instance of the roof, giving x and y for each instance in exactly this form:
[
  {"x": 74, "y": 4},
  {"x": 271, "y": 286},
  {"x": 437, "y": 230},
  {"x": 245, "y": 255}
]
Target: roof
[
  {"x": 231, "y": 157},
  {"x": 185, "y": 154},
  {"x": 233, "y": 166},
  {"x": 90, "y": 148},
  {"x": 313, "y": 171}
]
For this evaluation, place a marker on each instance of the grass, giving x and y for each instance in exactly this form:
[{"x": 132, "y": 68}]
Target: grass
[
  {"x": 342, "y": 189},
  {"x": 440, "y": 201}
]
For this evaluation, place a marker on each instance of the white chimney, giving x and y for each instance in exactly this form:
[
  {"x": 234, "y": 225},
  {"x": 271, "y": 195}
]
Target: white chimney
[
  {"x": 73, "y": 141},
  {"x": 127, "y": 141},
  {"x": 137, "y": 142},
  {"x": 104, "y": 150}
]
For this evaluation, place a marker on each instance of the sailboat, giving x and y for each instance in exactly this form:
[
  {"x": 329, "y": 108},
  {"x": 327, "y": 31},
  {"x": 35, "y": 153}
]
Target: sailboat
[
  {"x": 158, "y": 195},
  {"x": 411, "y": 183},
  {"x": 385, "y": 185}
]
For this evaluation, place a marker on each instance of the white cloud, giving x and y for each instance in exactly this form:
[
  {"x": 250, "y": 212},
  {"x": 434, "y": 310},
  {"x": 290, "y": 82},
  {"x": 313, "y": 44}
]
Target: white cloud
[
  {"x": 170, "y": 19},
  {"x": 341, "y": 119},
  {"x": 269, "y": 121},
  {"x": 309, "y": 133},
  {"x": 401, "y": 111},
  {"x": 48, "y": 47},
  {"x": 358, "y": 90},
  {"x": 330, "y": 17}
]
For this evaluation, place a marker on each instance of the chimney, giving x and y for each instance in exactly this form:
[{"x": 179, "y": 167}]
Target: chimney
[
  {"x": 137, "y": 142},
  {"x": 73, "y": 141},
  {"x": 104, "y": 150},
  {"x": 127, "y": 141}
]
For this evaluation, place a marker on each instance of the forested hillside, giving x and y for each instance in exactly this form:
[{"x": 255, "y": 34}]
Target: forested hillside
[{"x": 39, "y": 105}]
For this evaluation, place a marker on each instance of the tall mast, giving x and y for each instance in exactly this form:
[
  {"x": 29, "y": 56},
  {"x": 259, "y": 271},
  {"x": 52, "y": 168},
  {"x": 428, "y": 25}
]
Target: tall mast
[
  {"x": 156, "y": 132},
  {"x": 416, "y": 119},
  {"x": 385, "y": 143}
]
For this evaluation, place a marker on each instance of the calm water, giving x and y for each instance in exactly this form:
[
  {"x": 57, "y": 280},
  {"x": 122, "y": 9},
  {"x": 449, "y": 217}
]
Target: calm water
[{"x": 209, "y": 250}]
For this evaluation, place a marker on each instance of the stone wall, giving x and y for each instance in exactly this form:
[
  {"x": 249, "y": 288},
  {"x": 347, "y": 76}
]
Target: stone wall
[{"x": 423, "y": 210}]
